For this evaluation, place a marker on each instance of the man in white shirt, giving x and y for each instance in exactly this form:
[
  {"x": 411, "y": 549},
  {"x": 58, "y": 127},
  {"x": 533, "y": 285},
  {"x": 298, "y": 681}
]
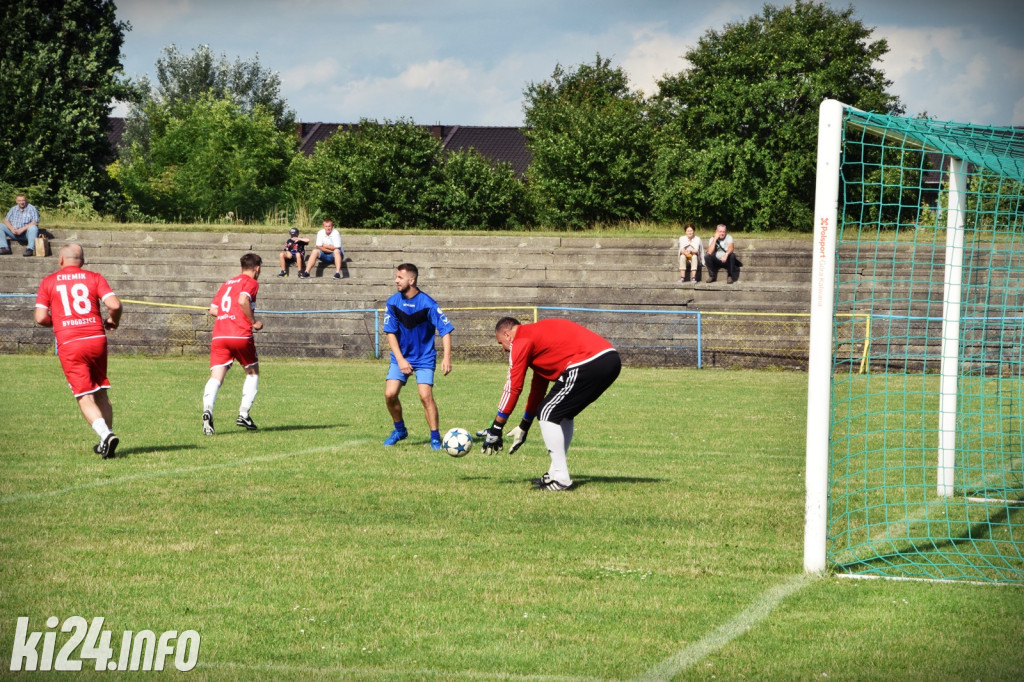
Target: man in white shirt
[
  {"x": 721, "y": 255},
  {"x": 328, "y": 249}
]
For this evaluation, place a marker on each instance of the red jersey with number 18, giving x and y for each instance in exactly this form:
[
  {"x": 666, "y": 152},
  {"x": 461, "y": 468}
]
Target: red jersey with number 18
[
  {"x": 73, "y": 297},
  {"x": 230, "y": 322}
]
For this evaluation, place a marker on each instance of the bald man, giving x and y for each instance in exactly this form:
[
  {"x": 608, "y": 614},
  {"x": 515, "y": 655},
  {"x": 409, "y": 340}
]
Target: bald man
[{"x": 69, "y": 302}]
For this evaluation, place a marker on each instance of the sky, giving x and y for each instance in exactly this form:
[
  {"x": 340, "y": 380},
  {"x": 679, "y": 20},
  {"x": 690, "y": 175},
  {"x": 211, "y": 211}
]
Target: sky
[{"x": 468, "y": 62}]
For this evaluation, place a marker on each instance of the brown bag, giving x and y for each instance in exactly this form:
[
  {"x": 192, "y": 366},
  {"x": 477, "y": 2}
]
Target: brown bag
[{"x": 42, "y": 247}]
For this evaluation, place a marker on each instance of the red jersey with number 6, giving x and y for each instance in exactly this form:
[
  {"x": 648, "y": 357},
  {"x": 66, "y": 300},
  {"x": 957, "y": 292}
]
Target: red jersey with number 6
[
  {"x": 231, "y": 324},
  {"x": 73, "y": 297}
]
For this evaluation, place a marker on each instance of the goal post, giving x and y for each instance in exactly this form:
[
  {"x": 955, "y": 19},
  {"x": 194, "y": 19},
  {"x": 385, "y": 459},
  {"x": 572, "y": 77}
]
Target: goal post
[
  {"x": 819, "y": 360},
  {"x": 915, "y": 469},
  {"x": 952, "y": 292}
]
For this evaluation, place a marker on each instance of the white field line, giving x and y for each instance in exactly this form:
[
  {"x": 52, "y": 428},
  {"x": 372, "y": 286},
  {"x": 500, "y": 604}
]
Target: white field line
[
  {"x": 665, "y": 670},
  {"x": 171, "y": 472},
  {"x": 390, "y": 673},
  {"x": 996, "y": 500},
  {"x": 903, "y": 578},
  {"x": 727, "y": 632}
]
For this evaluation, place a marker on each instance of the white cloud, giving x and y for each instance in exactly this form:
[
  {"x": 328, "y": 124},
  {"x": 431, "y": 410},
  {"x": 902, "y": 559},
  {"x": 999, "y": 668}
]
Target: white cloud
[
  {"x": 912, "y": 50},
  {"x": 954, "y": 73},
  {"x": 152, "y": 16},
  {"x": 445, "y": 91},
  {"x": 435, "y": 74},
  {"x": 1018, "y": 113},
  {"x": 119, "y": 109},
  {"x": 652, "y": 55},
  {"x": 298, "y": 77}
]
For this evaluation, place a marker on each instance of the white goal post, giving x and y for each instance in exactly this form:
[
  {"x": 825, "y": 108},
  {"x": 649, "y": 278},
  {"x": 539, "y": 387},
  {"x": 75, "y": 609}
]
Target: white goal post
[{"x": 858, "y": 154}]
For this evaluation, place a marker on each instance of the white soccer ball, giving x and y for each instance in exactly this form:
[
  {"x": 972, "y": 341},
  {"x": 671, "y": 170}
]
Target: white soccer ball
[{"x": 457, "y": 442}]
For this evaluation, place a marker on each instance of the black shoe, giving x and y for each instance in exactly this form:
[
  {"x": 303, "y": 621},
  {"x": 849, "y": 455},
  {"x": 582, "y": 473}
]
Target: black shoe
[
  {"x": 109, "y": 446},
  {"x": 337, "y": 275},
  {"x": 5, "y": 252},
  {"x": 208, "y": 424},
  {"x": 543, "y": 480},
  {"x": 283, "y": 273},
  {"x": 29, "y": 252},
  {"x": 98, "y": 448},
  {"x": 303, "y": 274},
  {"x": 729, "y": 280},
  {"x": 553, "y": 486},
  {"x": 246, "y": 422}
]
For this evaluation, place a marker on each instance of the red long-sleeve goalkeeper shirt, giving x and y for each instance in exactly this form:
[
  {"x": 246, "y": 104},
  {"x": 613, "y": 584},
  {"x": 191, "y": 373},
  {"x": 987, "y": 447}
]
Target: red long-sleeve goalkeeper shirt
[{"x": 548, "y": 347}]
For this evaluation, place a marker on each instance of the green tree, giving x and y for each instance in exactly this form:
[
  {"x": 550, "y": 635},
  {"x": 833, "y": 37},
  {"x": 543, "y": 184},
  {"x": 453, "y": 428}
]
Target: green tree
[
  {"x": 473, "y": 193},
  {"x": 738, "y": 128},
  {"x": 380, "y": 175},
  {"x": 60, "y": 68},
  {"x": 208, "y": 159},
  {"x": 591, "y": 141},
  {"x": 184, "y": 78}
]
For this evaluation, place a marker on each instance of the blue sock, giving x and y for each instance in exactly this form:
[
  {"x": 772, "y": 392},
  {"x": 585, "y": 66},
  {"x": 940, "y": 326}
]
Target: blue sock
[
  {"x": 400, "y": 426},
  {"x": 435, "y": 435}
]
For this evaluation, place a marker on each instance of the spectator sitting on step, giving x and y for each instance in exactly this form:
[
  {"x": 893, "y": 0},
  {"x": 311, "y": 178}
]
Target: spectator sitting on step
[
  {"x": 21, "y": 223},
  {"x": 690, "y": 249},
  {"x": 328, "y": 249},
  {"x": 294, "y": 250},
  {"x": 721, "y": 255}
]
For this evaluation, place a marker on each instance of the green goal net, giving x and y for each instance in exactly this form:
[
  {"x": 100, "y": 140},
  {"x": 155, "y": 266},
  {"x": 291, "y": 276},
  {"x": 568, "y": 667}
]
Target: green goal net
[{"x": 916, "y": 456}]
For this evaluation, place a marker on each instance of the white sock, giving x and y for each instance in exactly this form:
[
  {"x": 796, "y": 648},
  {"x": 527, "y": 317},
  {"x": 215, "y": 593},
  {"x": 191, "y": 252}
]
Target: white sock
[
  {"x": 101, "y": 428},
  {"x": 210, "y": 394},
  {"x": 567, "y": 429},
  {"x": 249, "y": 388},
  {"x": 557, "y": 438}
]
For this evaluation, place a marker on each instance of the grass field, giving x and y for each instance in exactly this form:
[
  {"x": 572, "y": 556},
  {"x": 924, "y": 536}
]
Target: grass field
[{"x": 306, "y": 550}]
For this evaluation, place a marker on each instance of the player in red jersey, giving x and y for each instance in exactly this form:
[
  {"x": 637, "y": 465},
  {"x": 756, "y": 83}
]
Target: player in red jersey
[
  {"x": 234, "y": 307},
  {"x": 69, "y": 301},
  {"x": 582, "y": 366}
]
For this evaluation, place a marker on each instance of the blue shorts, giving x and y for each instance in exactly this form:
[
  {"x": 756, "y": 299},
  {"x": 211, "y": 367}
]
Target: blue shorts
[
  {"x": 423, "y": 376},
  {"x": 327, "y": 257}
]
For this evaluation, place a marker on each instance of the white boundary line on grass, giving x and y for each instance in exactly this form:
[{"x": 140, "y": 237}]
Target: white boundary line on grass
[
  {"x": 727, "y": 632},
  {"x": 170, "y": 472},
  {"x": 370, "y": 670},
  {"x": 665, "y": 670},
  {"x": 904, "y": 578}
]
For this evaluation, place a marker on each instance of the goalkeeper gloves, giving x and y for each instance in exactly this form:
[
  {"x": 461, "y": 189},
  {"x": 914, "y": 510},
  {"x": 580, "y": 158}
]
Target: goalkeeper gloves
[
  {"x": 518, "y": 434},
  {"x": 492, "y": 438}
]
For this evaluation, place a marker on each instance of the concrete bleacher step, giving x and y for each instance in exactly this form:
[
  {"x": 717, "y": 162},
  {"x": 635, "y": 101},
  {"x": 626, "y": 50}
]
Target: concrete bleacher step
[
  {"x": 518, "y": 268},
  {"x": 499, "y": 274}
]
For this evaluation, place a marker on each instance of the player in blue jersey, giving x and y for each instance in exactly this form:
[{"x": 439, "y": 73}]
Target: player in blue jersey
[{"x": 410, "y": 322}]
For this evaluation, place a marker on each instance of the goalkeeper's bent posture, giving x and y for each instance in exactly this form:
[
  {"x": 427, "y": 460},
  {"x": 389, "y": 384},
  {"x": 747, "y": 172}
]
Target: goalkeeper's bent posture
[{"x": 580, "y": 362}]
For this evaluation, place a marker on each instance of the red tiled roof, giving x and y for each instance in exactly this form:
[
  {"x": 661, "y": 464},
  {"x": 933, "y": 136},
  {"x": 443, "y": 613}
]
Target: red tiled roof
[
  {"x": 115, "y": 131},
  {"x": 311, "y": 133},
  {"x": 499, "y": 144}
]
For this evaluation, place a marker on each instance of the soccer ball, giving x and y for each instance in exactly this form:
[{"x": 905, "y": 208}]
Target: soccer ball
[{"x": 457, "y": 442}]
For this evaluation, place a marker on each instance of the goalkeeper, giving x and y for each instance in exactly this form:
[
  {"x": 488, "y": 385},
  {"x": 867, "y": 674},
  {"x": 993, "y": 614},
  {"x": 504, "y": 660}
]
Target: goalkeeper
[{"x": 582, "y": 366}]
